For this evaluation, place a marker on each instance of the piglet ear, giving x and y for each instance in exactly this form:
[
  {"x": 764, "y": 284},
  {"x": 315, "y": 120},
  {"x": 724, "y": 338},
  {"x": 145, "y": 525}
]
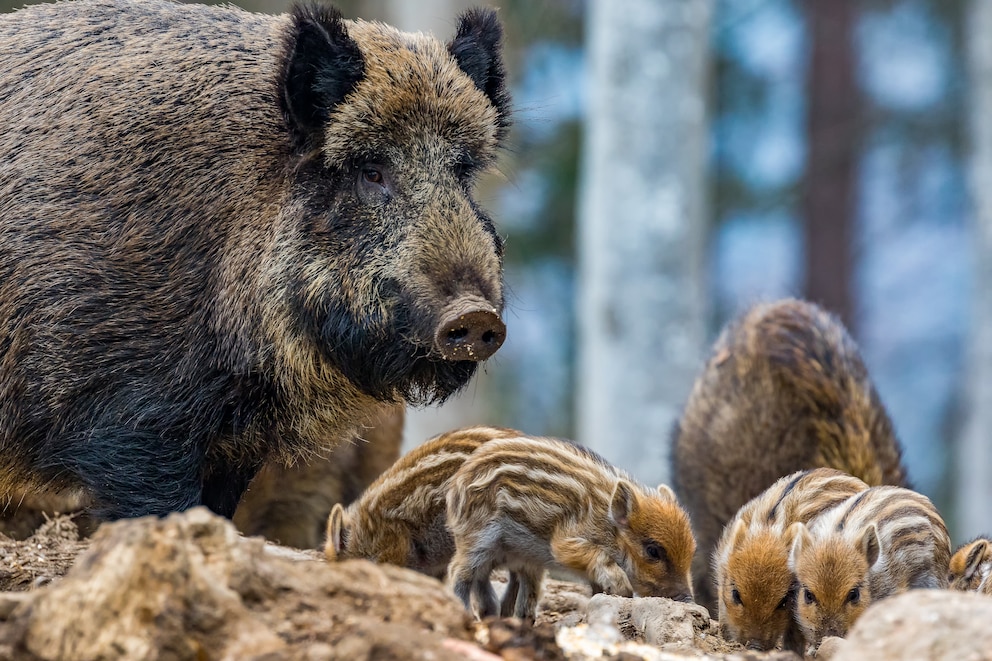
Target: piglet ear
[
  {"x": 975, "y": 558},
  {"x": 477, "y": 48},
  {"x": 870, "y": 544},
  {"x": 738, "y": 534},
  {"x": 799, "y": 538},
  {"x": 337, "y": 533},
  {"x": 323, "y": 65},
  {"x": 666, "y": 493},
  {"x": 623, "y": 504}
]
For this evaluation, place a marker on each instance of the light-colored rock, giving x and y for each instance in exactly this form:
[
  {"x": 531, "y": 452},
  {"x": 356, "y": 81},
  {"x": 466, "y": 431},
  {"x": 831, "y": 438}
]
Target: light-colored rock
[
  {"x": 829, "y": 648},
  {"x": 923, "y": 625},
  {"x": 653, "y": 620}
]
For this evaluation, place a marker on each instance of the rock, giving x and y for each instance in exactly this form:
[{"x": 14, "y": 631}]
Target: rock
[
  {"x": 829, "y": 648},
  {"x": 189, "y": 587},
  {"x": 516, "y": 640},
  {"x": 563, "y": 603},
  {"x": 923, "y": 625},
  {"x": 656, "y": 621}
]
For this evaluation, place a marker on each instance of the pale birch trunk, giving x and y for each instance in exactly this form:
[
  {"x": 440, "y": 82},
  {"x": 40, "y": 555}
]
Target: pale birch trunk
[
  {"x": 642, "y": 296},
  {"x": 974, "y": 483}
]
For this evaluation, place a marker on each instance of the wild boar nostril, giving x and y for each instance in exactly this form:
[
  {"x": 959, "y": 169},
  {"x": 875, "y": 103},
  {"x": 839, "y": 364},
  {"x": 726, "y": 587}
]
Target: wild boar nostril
[{"x": 470, "y": 329}]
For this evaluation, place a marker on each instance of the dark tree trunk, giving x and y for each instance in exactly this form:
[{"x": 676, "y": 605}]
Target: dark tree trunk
[{"x": 833, "y": 124}]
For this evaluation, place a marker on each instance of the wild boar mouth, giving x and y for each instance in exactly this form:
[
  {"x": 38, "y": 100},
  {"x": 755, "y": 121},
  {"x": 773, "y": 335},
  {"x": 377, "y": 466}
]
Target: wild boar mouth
[{"x": 387, "y": 361}]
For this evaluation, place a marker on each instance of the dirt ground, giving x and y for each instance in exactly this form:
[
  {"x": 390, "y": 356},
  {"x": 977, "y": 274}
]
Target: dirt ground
[{"x": 189, "y": 586}]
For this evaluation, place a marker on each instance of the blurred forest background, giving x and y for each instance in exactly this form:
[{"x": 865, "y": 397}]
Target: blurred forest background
[{"x": 673, "y": 161}]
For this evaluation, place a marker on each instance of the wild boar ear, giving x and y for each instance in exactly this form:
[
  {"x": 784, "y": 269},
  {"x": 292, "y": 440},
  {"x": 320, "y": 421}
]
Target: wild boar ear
[
  {"x": 799, "y": 538},
  {"x": 323, "y": 64},
  {"x": 737, "y": 534},
  {"x": 477, "y": 48},
  {"x": 666, "y": 493},
  {"x": 871, "y": 545},
  {"x": 623, "y": 504},
  {"x": 975, "y": 557},
  {"x": 337, "y": 533}
]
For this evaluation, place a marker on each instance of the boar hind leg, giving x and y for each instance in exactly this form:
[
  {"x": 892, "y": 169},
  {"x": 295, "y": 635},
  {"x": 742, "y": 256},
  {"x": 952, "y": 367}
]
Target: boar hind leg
[
  {"x": 469, "y": 576},
  {"x": 132, "y": 473},
  {"x": 222, "y": 489},
  {"x": 509, "y": 603},
  {"x": 460, "y": 577},
  {"x": 529, "y": 590}
]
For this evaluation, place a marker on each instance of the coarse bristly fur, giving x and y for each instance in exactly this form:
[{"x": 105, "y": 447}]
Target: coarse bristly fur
[
  {"x": 971, "y": 566},
  {"x": 878, "y": 543},
  {"x": 400, "y": 518},
  {"x": 784, "y": 389},
  {"x": 526, "y": 504},
  {"x": 290, "y": 504},
  {"x": 754, "y": 584},
  {"x": 227, "y": 237}
]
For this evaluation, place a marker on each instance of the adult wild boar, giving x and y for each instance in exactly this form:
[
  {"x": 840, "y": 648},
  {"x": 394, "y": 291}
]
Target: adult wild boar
[{"x": 227, "y": 237}]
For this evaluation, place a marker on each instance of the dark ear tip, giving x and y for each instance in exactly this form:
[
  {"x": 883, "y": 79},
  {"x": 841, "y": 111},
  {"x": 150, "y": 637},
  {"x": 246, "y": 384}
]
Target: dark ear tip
[
  {"x": 482, "y": 23},
  {"x": 323, "y": 65},
  {"x": 315, "y": 11},
  {"x": 327, "y": 17}
]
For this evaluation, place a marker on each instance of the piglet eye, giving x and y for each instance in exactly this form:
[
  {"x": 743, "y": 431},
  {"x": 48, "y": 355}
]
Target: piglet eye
[
  {"x": 854, "y": 596},
  {"x": 653, "y": 551},
  {"x": 736, "y": 597},
  {"x": 372, "y": 175},
  {"x": 782, "y": 605},
  {"x": 808, "y": 597}
]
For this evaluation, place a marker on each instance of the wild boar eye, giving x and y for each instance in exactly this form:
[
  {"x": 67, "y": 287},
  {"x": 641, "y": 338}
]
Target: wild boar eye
[
  {"x": 653, "y": 551},
  {"x": 372, "y": 175},
  {"x": 854, "y": 596},
  {"x": 736, "y": 597},
  {"x": 808, "y": 597}
]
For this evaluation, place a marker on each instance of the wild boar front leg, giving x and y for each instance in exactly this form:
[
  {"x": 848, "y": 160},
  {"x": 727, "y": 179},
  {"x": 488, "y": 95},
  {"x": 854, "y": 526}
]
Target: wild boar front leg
[{"x": 583, "y": 556}]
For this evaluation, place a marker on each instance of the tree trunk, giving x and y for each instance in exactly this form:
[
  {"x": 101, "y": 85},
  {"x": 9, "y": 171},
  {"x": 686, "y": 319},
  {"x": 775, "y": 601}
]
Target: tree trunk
[
  {"x": 974, "y": 483},
  {"x": 832, "y": 156},
  {"x": 642, "y": 226}
]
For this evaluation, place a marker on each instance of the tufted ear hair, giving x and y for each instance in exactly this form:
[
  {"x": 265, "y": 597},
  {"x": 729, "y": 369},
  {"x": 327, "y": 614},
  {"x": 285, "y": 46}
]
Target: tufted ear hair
[
  {"x": 870, "y": 544},
  {"x": 975, "y": 558},
  {"x": 738, "y": 534},
  {"x": 797, "y": 537},
  {"x": 323, "y": 65},
  {"x": 477, "y": 48},
  {"x": 623, "y": 504},
  {"x": 337, "y": 533},
  {"x": 666, "y": 493}
]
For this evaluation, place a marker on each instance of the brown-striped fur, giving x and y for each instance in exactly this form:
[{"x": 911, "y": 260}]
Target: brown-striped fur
[
  {"x": 754, "y": 583},
  {"x": 526, "y": 504},
  {"x": 400, "y": 518},
  {"x": 784, "y": 389},
  {"x": 230, "y": 237},
  {"x": 290, "y": 504},
  {"x": 971, "y": 565},
  {"x": 878, "y": 543}
]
